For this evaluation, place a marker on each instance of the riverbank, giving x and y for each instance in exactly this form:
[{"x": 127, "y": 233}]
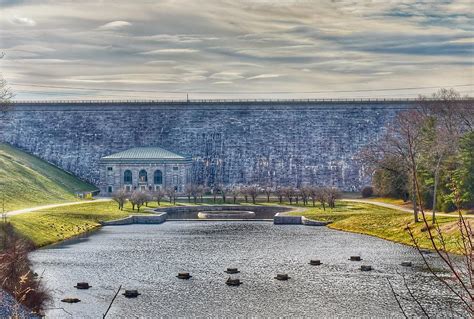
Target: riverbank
[
  {"x": 383, "y": 222},
  {"x": 52, "y": 225},
  {"x": 49, "y": 226}
]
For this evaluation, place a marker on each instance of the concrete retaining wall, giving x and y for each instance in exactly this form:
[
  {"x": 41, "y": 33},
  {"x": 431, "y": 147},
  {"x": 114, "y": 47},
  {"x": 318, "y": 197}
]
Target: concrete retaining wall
[
  {"x": 137, "y": 219},
  {"x": 280, "y": 219}
]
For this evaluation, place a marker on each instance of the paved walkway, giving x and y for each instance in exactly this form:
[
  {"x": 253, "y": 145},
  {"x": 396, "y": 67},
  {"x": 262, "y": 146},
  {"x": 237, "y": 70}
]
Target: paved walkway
[
  {"x": 36, "y": 208},
  {"x": 399, "y": 208}
]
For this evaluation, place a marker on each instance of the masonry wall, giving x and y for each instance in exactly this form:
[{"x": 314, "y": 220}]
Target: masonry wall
[{"x": 230, "y": 142}]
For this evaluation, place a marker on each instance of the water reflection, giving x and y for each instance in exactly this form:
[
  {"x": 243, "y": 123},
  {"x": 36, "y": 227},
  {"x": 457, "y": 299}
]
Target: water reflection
[{"x": 148, "y": 258}]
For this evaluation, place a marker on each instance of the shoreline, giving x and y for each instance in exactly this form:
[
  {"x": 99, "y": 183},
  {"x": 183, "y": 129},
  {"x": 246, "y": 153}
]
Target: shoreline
[{"x": 332, "y": 217}]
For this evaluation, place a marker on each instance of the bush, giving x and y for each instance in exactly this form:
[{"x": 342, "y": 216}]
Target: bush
[
  {"x": 367, "y": 191},
  {"x": 447, "y": 207}
]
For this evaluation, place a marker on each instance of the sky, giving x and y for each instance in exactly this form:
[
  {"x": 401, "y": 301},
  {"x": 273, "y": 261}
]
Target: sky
[{"x": 213, "y": 49}]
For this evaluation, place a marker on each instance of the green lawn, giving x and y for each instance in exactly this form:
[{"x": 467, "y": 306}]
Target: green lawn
[
  {"x": 382, "y": 222},
  {"x": 48, "y": 226},
  {"x": 26, "y": 181}
]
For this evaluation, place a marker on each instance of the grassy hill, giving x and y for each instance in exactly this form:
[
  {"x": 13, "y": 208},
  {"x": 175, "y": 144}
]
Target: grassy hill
[{"x": 26, "y": 181}]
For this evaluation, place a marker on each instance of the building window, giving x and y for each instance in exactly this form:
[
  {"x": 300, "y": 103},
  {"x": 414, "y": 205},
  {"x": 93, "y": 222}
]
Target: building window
[
  {"x": 128, "y": 188},
  {"x": 175, "y": 168},
  {"x": 110, "y": 168},
  {"x": 142, "y": 176},
  {"x": 110, "y": 189},
  {"x": 127, "y": 177},
  {"x": 158, "y": 178}
]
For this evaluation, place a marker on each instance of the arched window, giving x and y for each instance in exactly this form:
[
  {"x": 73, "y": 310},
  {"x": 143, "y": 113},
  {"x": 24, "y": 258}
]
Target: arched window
[
  {"x": 142, "y": 176},
  {"x": 158, "y": 178},
  {"x": 127, "y": 177}
]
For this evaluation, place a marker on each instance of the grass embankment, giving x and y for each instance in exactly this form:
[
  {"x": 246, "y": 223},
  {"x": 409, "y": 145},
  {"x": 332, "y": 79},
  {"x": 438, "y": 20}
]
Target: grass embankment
[
  {"x": 49, "y": 226},
  {"x": 384, "y": 223},
  {"x": 26, "y": 181},
  {"x": 388, "y": 200}
]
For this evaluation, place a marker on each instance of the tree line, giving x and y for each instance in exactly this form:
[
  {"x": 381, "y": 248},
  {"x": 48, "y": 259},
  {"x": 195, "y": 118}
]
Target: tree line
[
  {"x": 426, "y": 154},
  {"x": 325, "y": 196}
]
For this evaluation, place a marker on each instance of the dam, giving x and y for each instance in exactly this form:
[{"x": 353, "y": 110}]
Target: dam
[{"x": 266, "y": 142}]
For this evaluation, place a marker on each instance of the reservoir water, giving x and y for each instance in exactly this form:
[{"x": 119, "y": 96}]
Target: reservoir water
[{"x": 148, "y": 258}]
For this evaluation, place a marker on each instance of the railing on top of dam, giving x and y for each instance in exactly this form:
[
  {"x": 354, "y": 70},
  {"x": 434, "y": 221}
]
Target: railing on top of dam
[{"x": 217, "y": 101}]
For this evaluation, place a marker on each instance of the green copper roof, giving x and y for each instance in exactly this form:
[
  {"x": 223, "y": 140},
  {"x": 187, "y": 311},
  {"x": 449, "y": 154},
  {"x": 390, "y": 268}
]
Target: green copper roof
[{"x": 145, "y": 153}]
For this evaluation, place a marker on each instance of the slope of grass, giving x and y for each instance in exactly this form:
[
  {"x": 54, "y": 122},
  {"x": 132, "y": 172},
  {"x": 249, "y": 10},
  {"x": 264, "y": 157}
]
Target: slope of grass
[
  {"x": 49, "y": 226},
  {"x": 384, "y": 223},
  {"x": 26, "y": 180}
]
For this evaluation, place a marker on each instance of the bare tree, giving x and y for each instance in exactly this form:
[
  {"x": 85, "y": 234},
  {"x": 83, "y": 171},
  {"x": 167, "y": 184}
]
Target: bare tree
[
  {"x": 189, "y": 190},
  {"x": 448, "y": 116},
  {"x": 453, "y": 110},
  {"x": 403, "y": 141},
  {"x": 158, "y": 195},
  {"x": 289, "y": 192},
  {"x": 313, "y": 193},
  {"x": 296, "y": 194},
  {"x": 138, "y": 198},
  {"x": 215, "y": 192},
  {"x": 171, "y": 193},
  {"x": 223, "y": 190},
  {"x": 320, "y": 195},
  {"x": 245, "y": 193},
  {"x": 235, "y": 191},
  {"x": 200, "y": 191},
  {"x": 253, "y": 191},
  {"x": 148, "y": 197},
  {"x": 280, "y": 192},
  {"x": 461, "y": 282},
  {"x": 331, "y": 194},
  {"x": 6, "y": 93},
  {"x": 305, "y": 192},
  {"x": 120, "y": 197},
  {"x": 268, "y": 190}
]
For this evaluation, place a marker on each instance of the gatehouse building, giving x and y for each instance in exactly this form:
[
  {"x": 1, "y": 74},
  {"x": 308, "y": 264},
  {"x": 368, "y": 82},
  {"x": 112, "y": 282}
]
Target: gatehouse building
[{"x": 144, "y": 168}]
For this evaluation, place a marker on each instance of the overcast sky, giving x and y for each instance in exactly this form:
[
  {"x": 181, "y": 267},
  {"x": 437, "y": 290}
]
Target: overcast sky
[{"x": 136, "y": 49}]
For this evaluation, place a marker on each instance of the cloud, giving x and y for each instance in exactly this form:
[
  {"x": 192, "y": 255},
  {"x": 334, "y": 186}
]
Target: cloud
[
  {"x": 178, "y": 38},
  {"x": 5, "y": 3},
  {"x": 222, "y": 82},
  {"x": 23, "y": 21},
  {"x": 264, "y": 76},
  {"x": 160, "y": 62},
  {"x": 249, "y": 46},
  {"x": 226, "y": 76},
  {"x": 115, "y": 25},
  {"x": 169, "y": 51}
]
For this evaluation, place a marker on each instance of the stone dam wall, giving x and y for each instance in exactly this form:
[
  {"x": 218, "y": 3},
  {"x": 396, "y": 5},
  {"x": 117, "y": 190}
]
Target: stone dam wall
[{"x": 285, "y": 143}]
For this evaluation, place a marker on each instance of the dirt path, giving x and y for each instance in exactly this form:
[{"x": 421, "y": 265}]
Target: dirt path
[
  {"x": 36, "y": 208},
  {"x": 387, "y": 205}
]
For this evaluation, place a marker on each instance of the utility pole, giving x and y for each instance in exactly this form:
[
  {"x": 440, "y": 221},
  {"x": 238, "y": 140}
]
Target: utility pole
[{"x": 187, "y": 97}]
